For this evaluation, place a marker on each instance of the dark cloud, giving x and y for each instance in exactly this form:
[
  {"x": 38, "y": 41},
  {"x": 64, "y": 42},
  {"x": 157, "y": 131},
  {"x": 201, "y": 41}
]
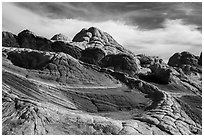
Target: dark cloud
[{"x": 146, "y": 15}]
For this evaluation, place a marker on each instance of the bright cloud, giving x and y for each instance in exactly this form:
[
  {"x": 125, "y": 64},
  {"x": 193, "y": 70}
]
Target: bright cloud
[{"x": 173, "y": 37}]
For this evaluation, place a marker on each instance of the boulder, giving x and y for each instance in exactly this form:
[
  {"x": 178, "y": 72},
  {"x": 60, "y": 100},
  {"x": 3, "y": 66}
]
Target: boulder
[
  {"x": 120, "y": 63},
  {"x": 28, "y": 39},
  {"x": 153, "y": 69},
  {"x": 161, "y": 72},
  {"x": 9, "y": 39},
  {"x": 188, "y": 62},
  {"x": 60, "y": 46},
  {"x": 92, "y": 55},
  {"x": 60, "y": 37},
  {"x": 158, "y": 73},
  {"x": 146, "y": 61},
  {"x": 184, "y": 58}
]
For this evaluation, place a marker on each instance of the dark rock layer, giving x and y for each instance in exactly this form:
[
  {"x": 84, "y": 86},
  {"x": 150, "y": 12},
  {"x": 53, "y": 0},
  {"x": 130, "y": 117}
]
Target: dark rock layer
[
  {"x": 28, "y": 39},
  {"x": 120, "y": 63},
  {"x": 60, "y": 46},
  {"x": 184, "y": 58},
  {"x": 9, "y": 39},
  {"x": 92, "y": 55}
]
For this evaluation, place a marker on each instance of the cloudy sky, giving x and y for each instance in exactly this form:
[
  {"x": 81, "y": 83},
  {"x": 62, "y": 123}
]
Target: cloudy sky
[{"x": 151, "y": 28}]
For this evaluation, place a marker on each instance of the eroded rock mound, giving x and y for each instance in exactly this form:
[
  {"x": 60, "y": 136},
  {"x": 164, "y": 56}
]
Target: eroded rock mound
[
  {"x": 93, "y": 34},
  {"x": 147, "y": 61},
  {"x": 28, "y": 39},
  {"x": 60, "y": 46},
  {"x": 92, "y": 55},
  {"x": 60, "y": 37},
  {"x": 153, "y": 69},
  {"x": 188, "y": 62},
  {"x": 161, "y": 72},
  {"x": 29, "y": 59},
  {"x": 120, "y": 63},
  {"x": 97, "y": 38},
  {"x": 184, "y": 58},
  {"x": 9, "y": 39}
]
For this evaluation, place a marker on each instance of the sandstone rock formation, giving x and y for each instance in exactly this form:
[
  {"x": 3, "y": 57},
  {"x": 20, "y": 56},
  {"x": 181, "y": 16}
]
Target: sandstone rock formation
[
  {"x": 59, "y": 67},
  {"x": 9, "y": 39},
  {"x": 28, "y": 39},
  {"x": 120, "y": 63},
  {"x": 64, "y": 90},
  {"x": 60, "y": 46},
  {"x": 147, "y": 61},
  {"x": 60, "y": 37},
  {"x": 153, "y": 69},
  {"x": 190, "y": 70},
  {"x": 97, "y": 38},
  {"x": 161, "y": 72},
  {"x": 92, "y": 55},
  {"x": 184, "y": 58}
]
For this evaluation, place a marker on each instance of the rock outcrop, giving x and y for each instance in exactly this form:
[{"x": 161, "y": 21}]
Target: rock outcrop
[
  {"x": 28, "y": 39},
  {"x": 153, "y": 69},
  {"x": 94, "y": 34},
  {"x": 188, "y": 66},
  {"x": 59, "y": 67},
  {"x": 184, "y": 58},
  {"x": 9, "y": 39},
  {"x": 147, "y": 61},
  {"x": 60, "y": 46},
  {"x": 161, "y": 72},
  {"x": 120, "y": 63},
  {"x": 29, "y": 59},
  {"x": 92, "y": 55},
  {"x": 97, "y": 38},
  {"x": 60, "y": 37}
]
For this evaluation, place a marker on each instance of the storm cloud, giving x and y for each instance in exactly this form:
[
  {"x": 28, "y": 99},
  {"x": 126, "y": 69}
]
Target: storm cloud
[{"x": 147, "y": 15}]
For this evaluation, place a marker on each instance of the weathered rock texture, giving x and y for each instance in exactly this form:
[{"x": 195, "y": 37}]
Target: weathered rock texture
[
  {"x": 9, "y": 39},
  {"x": 184, "y": 58},
  {"x": 60, "y": 46},
  {"x": 120, "y": 63},
  {"x": 186, "y": 61},
  {"x": 153, "y": 69},
  {"x": 97, "y": 38},
  {"x": 28, "y": 39},
  {"x": 190, "y": 72},
  {"x": 92, "y": 55},
  {"x": 60, "y": 37},
  {"x": 65, "y": 90}
]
